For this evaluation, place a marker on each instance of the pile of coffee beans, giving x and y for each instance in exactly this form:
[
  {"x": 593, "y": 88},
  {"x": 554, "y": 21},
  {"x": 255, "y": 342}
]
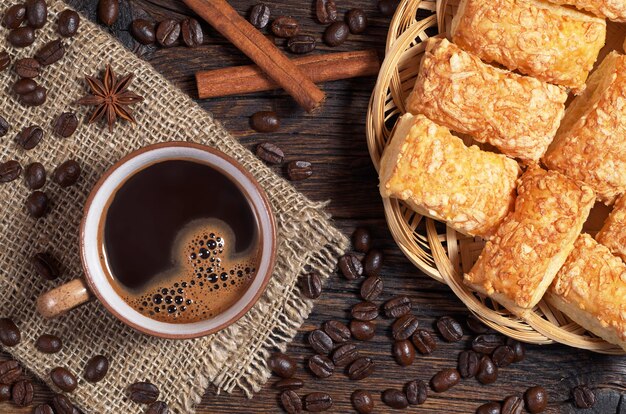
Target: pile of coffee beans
[{"x": 168, "y": 32}]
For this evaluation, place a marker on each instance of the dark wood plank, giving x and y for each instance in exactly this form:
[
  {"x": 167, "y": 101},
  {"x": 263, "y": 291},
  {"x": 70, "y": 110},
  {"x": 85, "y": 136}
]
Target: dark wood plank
[{"x": 334, "y": 140}]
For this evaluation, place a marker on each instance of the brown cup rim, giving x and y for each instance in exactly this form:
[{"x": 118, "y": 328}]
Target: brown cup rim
[{"x": 177, "y": 144}]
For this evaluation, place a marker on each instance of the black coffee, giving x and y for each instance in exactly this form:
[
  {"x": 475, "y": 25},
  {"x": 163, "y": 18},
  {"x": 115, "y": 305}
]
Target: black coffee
[{"x": 180, "y": 241}]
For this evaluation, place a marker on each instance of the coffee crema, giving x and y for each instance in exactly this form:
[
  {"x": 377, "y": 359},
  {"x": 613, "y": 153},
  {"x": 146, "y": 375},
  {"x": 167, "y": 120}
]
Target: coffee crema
[{"x": 180, "y": 241}]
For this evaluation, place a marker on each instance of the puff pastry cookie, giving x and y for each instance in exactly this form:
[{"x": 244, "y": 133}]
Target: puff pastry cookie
[
  {"x": 590, "y": 145},
  {"x": 611, "y": 9},
  {"x": 518, "y": 264},
  {"x": 613, "y": 233},
  {"x": 437, "y": 175},
  {"x": 590, "y": 288},
  {"x": 551, "y": 43},
  {"x": 517, "y": 114}
]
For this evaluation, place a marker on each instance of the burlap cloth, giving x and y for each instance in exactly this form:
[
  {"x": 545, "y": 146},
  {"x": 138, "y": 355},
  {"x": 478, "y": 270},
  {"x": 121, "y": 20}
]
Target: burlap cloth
[{"x": 183, "y": 370}]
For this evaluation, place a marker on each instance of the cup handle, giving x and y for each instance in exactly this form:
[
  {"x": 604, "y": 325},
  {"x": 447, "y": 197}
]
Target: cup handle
[{"x": 62, "y": 299}]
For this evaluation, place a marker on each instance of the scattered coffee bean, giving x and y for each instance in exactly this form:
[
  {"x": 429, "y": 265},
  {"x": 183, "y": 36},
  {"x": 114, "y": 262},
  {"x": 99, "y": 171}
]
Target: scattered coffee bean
[
  {"x": 345, "y": 355},
  {"x": 388, "y": 7},
  {"x": 361, "y": 240},
  {"x": 62, "y": 405},
  {"x": 301, "y": 44},
  {"x": 416, "y": 392},
  {"x": 336, "y": 34},
  {"x": 365, "y": 311},
  {"x": 503, "y": 356},
  {"x": 404, "y": 327},
  {"x": 489, "y": 408},
  {"x": 270, "y": 153},
  {"x": 24, "y": 86},
  {"x": 291, "y": 402},
  {"x": 260, "y": 15},
  {"x": 143, "y": 393},
  {"x": 36, "y": 13},
  {"x": 22, "y": 393},
  {"x": 265, "y": 121},
  {"x": 424, "y": 342},
  {"x": 68, "y": 23},
  {"x": 46, "y": 266},
  {"x": 5, "y": 392},
  {"x": 67, "y": 173},
  {"x": 397, "y": 306},
  {"x": 284, "y": 26},
  {"x": 350, "y": 266},
  {"x": 395, "y": 399},
  {"x": 158, "y": 407},
  {"x": 450, "y": 329},
  {"x": 321, "y": 366},
  {"x": 337, "y": 331},
  {"x": 475, "y": 325},
  {"x": 35, "y": 176},
  {"x": 43, "y": 409},
  {"x": 10, "y": 334},
  {"x": 316, "y": 402},
  {"x": 583, "y": 396},
  {"x": 63, "y": 379},
  {"x": 299, "y": 170},
  {"x": 65, "y": 125},
  {"x": 361, "y": 368},
  {"x": 37, "y": 204},
  {"x": 356, "y": 20},
  {"x": 362, "y": 330},
  {"x": 288, "y": 384},
  {"x": 326, "y": 11},
  {"x": 487, "y": 343},
  {"x": 469, "y": 363},
  {"x": 191, "y": 32},
  {"x": 35, "y": 98},
  {"x": 10, "y": 171},
  {"x": 96, "y": 369},
  {"x": 49, "y": 344},
  {"x": 403, "y": 352},
  {"x": 311, "y": 285},
  {"x": 108, "y": 11},
  {"x": 512, "y": 405},
  {"x": 14, "y": 16},
  {"x": 27, "y": 68},
  {"x": 371, "y": 288},
  {"x": 167, "y": 32},
  {"x": 22, "y": 36},
  {"x": 10, "y": 371},
  {"x": 536, "y": 399},
  {"x": 50, "y": 53},
  {"x": 362, "y": 401},
  {"x": 143, "y": 31},
  {"x": 518, "y": 349},
  {"x": 445, "y": 379},
  {"x": 4, "y": 126},
  {"x": 321, "y": 342},
  {"x": 5, "y": 61},
  {"x": 373, "y": 262},
  {"x": 282, "y": 365},
  {"x": 487, "y": 371}
]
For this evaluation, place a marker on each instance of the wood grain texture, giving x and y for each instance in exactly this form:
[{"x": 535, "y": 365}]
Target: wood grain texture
[{"x": 334, "y": 140}]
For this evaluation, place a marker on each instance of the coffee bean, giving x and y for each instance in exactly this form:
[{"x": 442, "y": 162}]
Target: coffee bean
[
  {"x": 583, "y": 396},
  {"x": 362, "y": 402},
  {"x": 288, "y": 384},
  {"x": 260, "y": 15},
  {"x": 325, "y": 11},
  {"x": 311, "y": 285},
  {"x": 65, "y": 125},
  {"x": 489, "y": 408},
  {"x": 4, "y": 126},
  {"x": 24, "y": 86},
  {"x": 5, "y": 61},
  {"x": 301, "y": 44},
  {"x": 5, "y": 392},
  {"x": 158, "y": 407},
  {"x": 50, "y": 53},
  {"x": 108, "y": 11},
  {"x": 487, "y": 343},
  {"x": 450, "y": 329},
  {"x": 167, "y": 32},
  {"x": 512, "y": 405},
  {"x": 397, "y": 306},
  {"x": 299, "y": 170},
  {"x": 503, "y": 356},
  {"x": 373, "y": 262},
  {"x": 68, "y": 23},
  {"x": 96, "y": 369},
  {"x": 336, "y": 34},
  {"x": 49, "y": 344},
  {"x": 62, "y": 405},
  {"x": 35, "y": 98},
  {"x": 321, "y": 342},
  {"x": 475, "y": 325},
  {"x": 388, "y": 7},
  {"x": 14, "y": 16},
  {"x": 337, "y": 331},
  {"x": 416, "y": 392},
  {"x": 362, "y": 330},
  {"x": 395, "y": 399},
  {"x": 536, "y": 399},
  {"x": 361, "y": 368},
  {"x": 487, "y": 371},
  {"x": 37, "y": 204},
  {"x": 345, "y": 354},
  {"x": 36, "y": 13},
  {"x": 265, "y": 121},
  {"x": 291, "y": 402},
  {"x": 361, "y": 240},
  {"x": 424, "y": 342},
  {"x": 284, "y": 26},
  {"x": 35, "y": 177},
  {"x": 67, "y": 173},
  {"x": 518, "y": 349},
  {"x": 365, "y": 311},
  {"x": 143, "y": 31},
  {"x": 22, "y": 36},
  {"x": 10, "y": 171},
  {"x": 371, "y": 288},
  {"x": 10, "y": 334},
  {"x": 404, "y": 327},
  {"x": 316, "y": 402},
  {"x": 27, "y": 68},
  {"x": 469, "y": 362},
  {"x": 10, "y": 371},
  {"x": 270, "y": 153},
  {"x": 143, "y": 393},
  {"x": 22, "y": 393},
  {"x": 43, "y": 409},
  {"x": 403, "y": 352},
  {"x": 282, "y": 365},
  {"x": 356, "y": 20},
  {"x": 350, "y": 266},
  {"x": 445, "y": 379},
  {"x": 191, "y": 32},
  {"x": 63, "y": 379},
  {"x": 321, "y": 366}
]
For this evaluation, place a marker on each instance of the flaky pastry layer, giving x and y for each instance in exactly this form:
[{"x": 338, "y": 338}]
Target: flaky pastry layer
[
  {"x": 610, "y": 9},
  {"x": 613, "y": 232}
]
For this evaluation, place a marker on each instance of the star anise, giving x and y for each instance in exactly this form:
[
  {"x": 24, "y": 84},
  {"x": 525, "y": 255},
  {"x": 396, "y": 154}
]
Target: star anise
[{"x": 111, "y": 97}]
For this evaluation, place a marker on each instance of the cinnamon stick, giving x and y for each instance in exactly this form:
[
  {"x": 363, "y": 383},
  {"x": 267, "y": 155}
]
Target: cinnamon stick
[
  {"x": 226, "y": 20},
  {"x": 240, "y": 80}
]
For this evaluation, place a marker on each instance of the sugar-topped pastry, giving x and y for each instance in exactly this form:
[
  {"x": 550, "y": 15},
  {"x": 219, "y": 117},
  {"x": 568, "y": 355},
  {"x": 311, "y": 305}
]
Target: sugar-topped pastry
[
  {"x": 590, "y": 145},
  {"x": 549, "y": 42},
  {"x": 517, "y": 114},
  {"x": 436, "y": 174},
  {"x": 610, "y": 9},
  {"x": 590, "y": 288},
  {"x": 518, "y": 264},
  {"x": 613, "y": 232}
]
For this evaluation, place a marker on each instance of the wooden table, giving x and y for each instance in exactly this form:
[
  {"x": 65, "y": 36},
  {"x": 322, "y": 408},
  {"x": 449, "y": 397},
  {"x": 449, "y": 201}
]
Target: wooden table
[{"x": 333, "y": 139}]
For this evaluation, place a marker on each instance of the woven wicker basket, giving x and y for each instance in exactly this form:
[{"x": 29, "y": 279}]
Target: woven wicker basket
[{"x": 436, "y": 249}]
